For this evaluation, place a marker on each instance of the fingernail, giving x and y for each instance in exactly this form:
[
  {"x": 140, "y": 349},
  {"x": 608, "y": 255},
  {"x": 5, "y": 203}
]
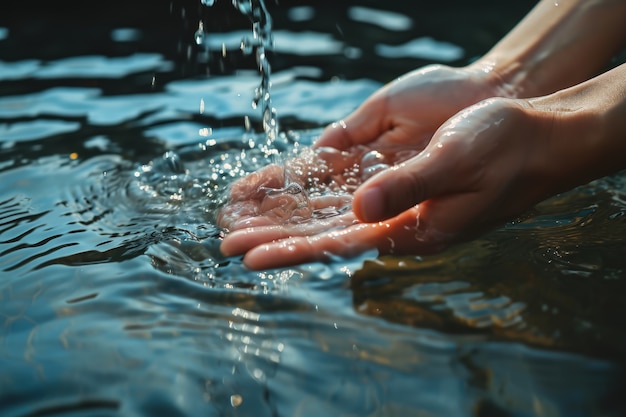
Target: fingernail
[{"x": 371, "y": 205}]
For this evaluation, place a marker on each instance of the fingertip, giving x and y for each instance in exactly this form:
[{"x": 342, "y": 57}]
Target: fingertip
[
  {"x": 392, "y": 191},
  {"x": 369, "y": 204},
  {"x": 247, "y": 240},
  {"x": 257, "y": 258},
  {"x": 286, "y": 252},
  {"x": 274, "y": 255},
  {"x": 239, "y": 242},
  {"x": 226, "y": 247},
  {"x": 334, "y": 136}
]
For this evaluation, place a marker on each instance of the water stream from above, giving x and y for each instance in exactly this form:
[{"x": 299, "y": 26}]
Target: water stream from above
[{"x": 260, "y": 43}]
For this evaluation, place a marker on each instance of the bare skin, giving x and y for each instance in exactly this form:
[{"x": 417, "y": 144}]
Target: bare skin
[{"x": 490, "y": 141}]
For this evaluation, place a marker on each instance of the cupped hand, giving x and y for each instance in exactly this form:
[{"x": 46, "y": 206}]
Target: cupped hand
[
  {"x": 305, "y": 195},
  {"x": 391, "y": 126},
  {"x": 482, "y": 167},
  {"x": 408, "y": 111}
]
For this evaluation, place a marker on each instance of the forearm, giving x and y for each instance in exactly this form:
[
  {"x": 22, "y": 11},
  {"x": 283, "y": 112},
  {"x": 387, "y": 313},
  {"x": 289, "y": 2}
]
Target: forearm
[
  {"x": 558, "y": 44},
  {"x": 587, "y": 138}
]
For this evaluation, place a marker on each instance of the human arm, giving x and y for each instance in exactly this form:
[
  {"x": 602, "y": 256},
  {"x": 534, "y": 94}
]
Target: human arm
[
  {"x": 558, "y": 44},
  {"x": 484, "y": 166},
  {"x": 535, "y": 59}
]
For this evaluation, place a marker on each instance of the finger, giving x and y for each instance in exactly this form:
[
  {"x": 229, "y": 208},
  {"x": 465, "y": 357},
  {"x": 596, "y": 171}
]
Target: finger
[
  {"x": 436, "y": 171},
  {"x": 231, "y": 214},
  {"x": 253, "y": 185},
  {"x": 465, "y": 216},
  {"x": 364, "y": 125},
  {"x": 241, "y": 241},
  {"x": 273, "y": 211},
  {"x": 250, "y": 222},
  {"x": 400, "y": 236},
  {"x": 303, "y": 249},
  {"x": 454, "y": 218},
  {"x": 404, "y": 234}
]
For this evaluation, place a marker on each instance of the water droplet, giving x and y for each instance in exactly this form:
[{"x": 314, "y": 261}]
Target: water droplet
[
  {"x": 370, "y": 171},
  {"x": 170, "y": 162},
  {"x": 247, "y": 46},
  {"x": 372, "y": 158},
  {"x": 261, "y": 41},
  {"x": 244, "y": 6},
  {"x": 199, "y": 35}
]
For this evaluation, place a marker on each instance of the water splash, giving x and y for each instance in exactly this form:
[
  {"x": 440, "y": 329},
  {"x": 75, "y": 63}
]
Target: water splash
[{"x": 308, "y": 191}]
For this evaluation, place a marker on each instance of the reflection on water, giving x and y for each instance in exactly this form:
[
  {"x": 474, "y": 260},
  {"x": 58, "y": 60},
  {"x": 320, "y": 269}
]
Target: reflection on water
[
  {"x": 115, "y": 152},
  {"x": 554, "y": 285}
]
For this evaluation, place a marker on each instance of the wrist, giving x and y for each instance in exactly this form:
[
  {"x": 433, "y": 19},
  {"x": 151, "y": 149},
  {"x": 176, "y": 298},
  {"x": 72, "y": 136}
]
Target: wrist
[
  {"x": 585, "y": 129},
  {"x": 505, "y": 76},
  {"x": 557, "y": 46}
]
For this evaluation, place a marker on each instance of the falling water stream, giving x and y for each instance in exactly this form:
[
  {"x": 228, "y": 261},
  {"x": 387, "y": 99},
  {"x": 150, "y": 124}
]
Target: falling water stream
[{"x": 261, "y": 43}]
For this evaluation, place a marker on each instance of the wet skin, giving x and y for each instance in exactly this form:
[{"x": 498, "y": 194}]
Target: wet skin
[{"x": 488, "y": 142}]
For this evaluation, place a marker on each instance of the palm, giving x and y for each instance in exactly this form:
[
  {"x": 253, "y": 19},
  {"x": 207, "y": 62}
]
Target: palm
[
  {"x": 306, "y": 214},
  {"x": 306, "y": 225},
  {"x": 308, "y": 194}
]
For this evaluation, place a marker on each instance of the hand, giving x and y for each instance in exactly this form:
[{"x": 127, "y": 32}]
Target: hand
[
  {"x": 482, "y": 167},
  {"x": 392, "y": 126},
  {"x": 308, "y": 194},
  {"x": 406, "y": 113}
]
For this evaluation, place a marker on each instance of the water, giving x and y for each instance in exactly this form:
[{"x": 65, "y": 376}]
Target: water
[
  {"x": 116, "y": 147},
  {"x": 261, "y": 42}
]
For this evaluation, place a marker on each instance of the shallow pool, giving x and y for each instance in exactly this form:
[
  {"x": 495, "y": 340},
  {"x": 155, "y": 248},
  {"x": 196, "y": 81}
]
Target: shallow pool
[{"x": 118, "y": 137}]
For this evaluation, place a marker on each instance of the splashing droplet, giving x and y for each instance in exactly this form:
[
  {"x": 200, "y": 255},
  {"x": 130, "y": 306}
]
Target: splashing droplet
[{"x": 199, "y": 35}]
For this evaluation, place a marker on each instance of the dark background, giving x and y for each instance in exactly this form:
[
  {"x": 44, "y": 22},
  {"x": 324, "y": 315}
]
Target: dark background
[{"x": 49, "y": 30}]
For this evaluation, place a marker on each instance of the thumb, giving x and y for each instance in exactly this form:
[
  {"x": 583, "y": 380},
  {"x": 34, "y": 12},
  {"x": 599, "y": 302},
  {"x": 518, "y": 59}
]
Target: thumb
[
  {"x": 399, "y": 188},
  {"x": 364, "y": 125}
]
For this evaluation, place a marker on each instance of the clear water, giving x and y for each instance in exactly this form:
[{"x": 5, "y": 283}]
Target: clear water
[
  {"x": 118, "y": 138},
  {"x": 260, "y": 42}
]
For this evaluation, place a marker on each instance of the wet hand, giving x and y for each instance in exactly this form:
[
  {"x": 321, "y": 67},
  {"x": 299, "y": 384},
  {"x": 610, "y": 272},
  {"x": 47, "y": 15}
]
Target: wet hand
[
  {"x": 392, "y": 126},
  {"x": 311, "y": 193},
  {"x": 307, "y": 196},
  {"x": 484, "y": 166},
  {"x": 479, "y": 170},
  {"x": 409, "y": 110},
  {"x": 290, "y": 193}
]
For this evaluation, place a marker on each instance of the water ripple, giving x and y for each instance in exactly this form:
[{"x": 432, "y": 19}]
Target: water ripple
[{"x": 83, "y": 67}]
